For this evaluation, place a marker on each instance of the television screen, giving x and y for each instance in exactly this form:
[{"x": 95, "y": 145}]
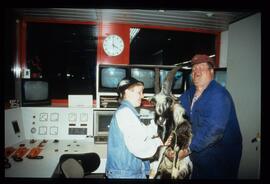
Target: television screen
[
  {"x": 35, "y": 92},
  {"x": 102, "y": 120},
  {"x": 188, "y": 80},
  {"x": 147, "y": 76},
  {"x": 104, "y": 123},
  {"x": 177, "y": 86},
  {"x": 111, "y": 76},
  {"x": 221, "y": 76}
]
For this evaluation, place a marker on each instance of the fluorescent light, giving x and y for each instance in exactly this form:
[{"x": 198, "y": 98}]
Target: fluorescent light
[{"x": 133, "y": 33}]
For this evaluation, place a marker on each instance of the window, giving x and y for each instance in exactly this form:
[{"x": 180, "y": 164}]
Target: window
[
  {"x": 168, "y": 47},
  {"x": 65, "y": 54}
]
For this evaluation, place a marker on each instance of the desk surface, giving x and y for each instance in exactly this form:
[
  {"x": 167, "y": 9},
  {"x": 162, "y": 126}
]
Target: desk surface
[{"x": 51, "y": 152}]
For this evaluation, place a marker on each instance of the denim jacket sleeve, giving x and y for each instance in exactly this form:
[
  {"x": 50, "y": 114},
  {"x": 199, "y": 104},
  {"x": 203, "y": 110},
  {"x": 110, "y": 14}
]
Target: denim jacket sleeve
[{"x": 136, "y": 135}]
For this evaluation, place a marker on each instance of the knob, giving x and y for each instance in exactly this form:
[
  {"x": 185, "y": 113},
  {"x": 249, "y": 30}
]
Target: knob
[{"x": 33, "y": 130}]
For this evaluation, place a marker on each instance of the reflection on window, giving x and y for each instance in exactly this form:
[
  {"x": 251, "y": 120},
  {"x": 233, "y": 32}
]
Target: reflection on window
[
  {"x": 65, "y": 54},
  {"x": 168, "y": 47}
]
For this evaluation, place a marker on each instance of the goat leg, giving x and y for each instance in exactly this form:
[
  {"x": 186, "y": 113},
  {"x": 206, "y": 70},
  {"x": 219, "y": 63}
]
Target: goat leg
[{"x": 155, "y": 164}]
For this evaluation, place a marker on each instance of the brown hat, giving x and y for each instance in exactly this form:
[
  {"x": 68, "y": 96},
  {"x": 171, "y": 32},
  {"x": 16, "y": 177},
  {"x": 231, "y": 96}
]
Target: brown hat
[{"x": 202, "y": 58}]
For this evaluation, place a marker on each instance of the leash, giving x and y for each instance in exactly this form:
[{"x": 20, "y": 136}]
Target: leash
[{"x": 176, "y": 149}]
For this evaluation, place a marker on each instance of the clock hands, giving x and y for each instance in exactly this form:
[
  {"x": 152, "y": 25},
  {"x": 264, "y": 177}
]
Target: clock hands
[{"x": 113, "y": 45}]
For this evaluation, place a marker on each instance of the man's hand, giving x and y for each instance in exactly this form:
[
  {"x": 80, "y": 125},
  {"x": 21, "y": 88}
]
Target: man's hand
[
  {"x": 168, "y": 141},
  {"x": 170, "y": 154},
  {"x": 182, "y": 154}
]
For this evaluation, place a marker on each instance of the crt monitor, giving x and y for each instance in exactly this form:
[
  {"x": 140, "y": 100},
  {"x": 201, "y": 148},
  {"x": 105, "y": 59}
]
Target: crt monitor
[
  {"x": 147, "y": 76},
  {"x": 109, "y": 77},
  {"x": 221, "y": 76},
  {"x": 178, "y": 81},
  {"x": 102, "y": 120},
  {"x": 35, "y": 92},
  {"x": 188, "y": 80}
]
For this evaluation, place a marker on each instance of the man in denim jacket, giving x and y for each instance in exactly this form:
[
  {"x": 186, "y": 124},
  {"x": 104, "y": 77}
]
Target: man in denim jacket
[
  {"x": 217, "y": 141},
  {"x": 130, "y": 142}
]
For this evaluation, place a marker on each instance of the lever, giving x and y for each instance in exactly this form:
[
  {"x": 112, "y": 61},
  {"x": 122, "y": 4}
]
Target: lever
[
  {"x": 17, "y": 159},
  {"x": 36, "y": 157}
]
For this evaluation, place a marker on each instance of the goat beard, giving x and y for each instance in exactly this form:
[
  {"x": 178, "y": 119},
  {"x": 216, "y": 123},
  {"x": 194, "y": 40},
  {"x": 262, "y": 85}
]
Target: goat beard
[
  {"x": 161, "y": 121},
  {"x": 164, "y": 126}
]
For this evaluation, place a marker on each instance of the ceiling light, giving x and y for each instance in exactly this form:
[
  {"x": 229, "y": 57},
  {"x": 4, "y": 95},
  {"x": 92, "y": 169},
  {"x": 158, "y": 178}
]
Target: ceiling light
[
  {"x": 209, "y": 14},
  {"x": 133, "y": 33}
]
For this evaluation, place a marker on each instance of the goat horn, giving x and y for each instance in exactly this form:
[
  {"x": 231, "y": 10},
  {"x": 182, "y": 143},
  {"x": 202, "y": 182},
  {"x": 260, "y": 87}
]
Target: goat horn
[
  {"x": 167, "y": 84},
  {"x": 157, "y": 82}
]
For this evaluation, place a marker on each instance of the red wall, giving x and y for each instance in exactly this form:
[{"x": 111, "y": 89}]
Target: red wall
[{"x": 106, "y": 29}]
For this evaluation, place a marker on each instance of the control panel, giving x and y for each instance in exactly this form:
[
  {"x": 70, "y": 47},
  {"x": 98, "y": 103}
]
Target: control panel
[
  {"x": 40, "y": 158},
  {"x": 58, "y": 123},
  {"x": 36, "y": 137}
]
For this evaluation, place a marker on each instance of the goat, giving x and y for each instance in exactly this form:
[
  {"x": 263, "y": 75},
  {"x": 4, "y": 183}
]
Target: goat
[{"x": 170, "y": 119}]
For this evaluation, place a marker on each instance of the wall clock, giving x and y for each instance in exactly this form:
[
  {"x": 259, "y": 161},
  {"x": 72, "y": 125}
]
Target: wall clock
[{"x": 113, "y": 45}]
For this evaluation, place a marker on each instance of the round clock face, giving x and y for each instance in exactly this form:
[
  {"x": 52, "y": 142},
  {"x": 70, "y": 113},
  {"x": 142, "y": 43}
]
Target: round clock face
[{"x": 113, "y": 45}]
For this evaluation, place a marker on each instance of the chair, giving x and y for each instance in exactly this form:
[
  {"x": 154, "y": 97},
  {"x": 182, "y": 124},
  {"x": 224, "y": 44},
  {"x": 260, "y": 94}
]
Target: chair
[
  {"x": 71, "y": 168},
  {"x": 76, "y": 165}
]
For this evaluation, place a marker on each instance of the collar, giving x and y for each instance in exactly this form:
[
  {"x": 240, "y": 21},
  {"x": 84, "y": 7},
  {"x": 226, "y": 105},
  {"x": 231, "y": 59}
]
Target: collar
[
  {"x": 193, "y": 88},
  {"x": 128, "y": 104}
]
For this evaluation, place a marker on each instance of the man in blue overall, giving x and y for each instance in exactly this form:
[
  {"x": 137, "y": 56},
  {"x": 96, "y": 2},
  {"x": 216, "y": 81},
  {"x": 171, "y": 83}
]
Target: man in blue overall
[{"x": 217, "y": 141}]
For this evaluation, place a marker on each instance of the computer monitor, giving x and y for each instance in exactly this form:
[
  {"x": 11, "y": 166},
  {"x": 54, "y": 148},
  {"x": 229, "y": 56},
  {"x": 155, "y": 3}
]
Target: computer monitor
[
  {"x": 147, "y": 76},
  {"x": 35, "y": 92},
  {"x": 188, "y": 79},
  {"x": 221, "y": 76},
  {"x": 102, "y": 120},
  {"x": 178, "y": 81},
  {"x": 109, "y": 77}
]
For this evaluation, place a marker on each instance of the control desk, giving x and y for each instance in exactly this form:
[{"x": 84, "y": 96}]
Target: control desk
[
  {"x": 49, "y": 132},
  {"x": 51, "y": 152}
]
